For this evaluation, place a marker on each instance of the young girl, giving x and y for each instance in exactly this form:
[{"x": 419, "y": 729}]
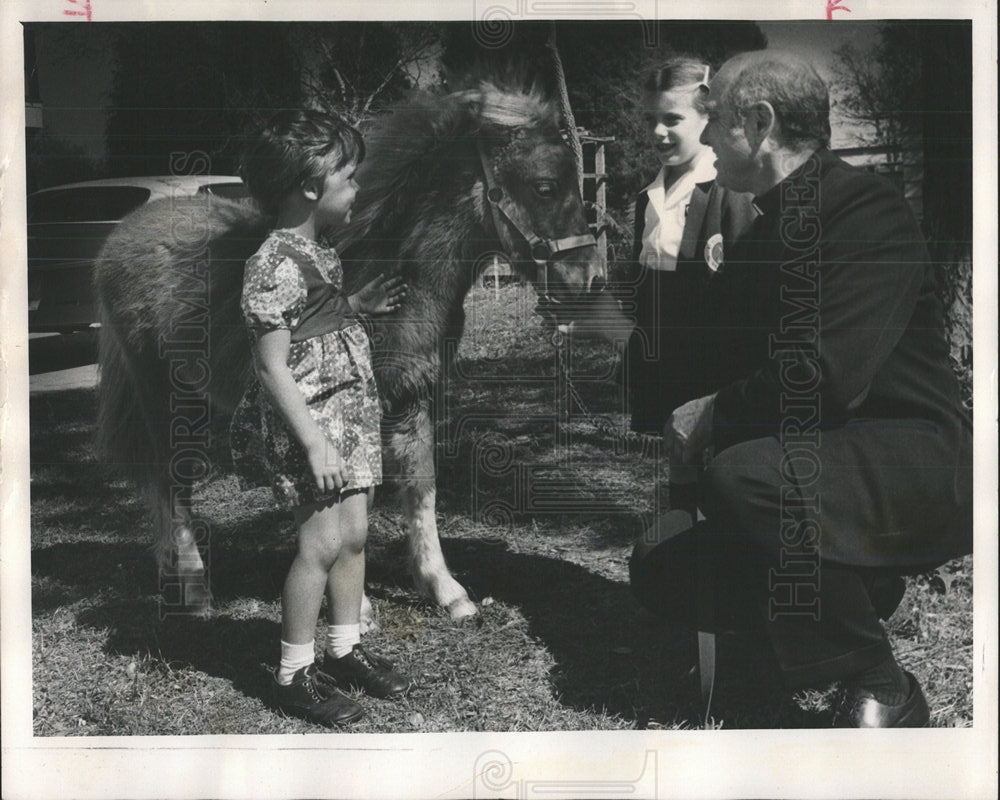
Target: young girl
[
  {"x": 682, "y": 222},
  {"x": 312, "y": 417}
]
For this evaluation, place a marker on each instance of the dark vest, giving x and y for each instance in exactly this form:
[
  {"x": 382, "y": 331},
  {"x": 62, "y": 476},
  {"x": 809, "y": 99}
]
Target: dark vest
[{"x": 670, "y": 358}]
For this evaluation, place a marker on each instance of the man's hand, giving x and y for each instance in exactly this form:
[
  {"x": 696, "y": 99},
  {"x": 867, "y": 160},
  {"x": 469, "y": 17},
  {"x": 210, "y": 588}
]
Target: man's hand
[
  {"x": 688, "y": 432},
  {"x": 381, "y": 296}
]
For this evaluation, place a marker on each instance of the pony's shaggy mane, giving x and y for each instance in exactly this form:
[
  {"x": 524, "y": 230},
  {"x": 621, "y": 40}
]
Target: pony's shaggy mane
[{"x": 405, "y": 148}]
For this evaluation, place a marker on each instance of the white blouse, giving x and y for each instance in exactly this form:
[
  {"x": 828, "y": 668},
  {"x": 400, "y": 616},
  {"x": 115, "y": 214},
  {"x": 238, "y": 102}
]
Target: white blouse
[{"x": 666, "y": 212}]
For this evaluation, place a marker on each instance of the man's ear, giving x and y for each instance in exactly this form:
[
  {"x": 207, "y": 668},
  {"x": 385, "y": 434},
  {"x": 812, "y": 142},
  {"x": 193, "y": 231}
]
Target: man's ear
[{"x": 758, "y": 123}]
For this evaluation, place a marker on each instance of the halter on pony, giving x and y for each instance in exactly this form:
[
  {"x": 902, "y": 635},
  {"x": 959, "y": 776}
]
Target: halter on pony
[{"x": 542, "y": 250}]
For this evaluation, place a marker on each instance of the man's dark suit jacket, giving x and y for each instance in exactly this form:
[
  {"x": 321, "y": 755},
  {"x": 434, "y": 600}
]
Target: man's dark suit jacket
[{"x": 831, "y": 336}]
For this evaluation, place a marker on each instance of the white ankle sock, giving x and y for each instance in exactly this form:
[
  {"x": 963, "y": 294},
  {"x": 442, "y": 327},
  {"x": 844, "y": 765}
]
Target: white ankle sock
[
  {"x": 340, "y": 639},
  {"x": 293, "y": 658}
]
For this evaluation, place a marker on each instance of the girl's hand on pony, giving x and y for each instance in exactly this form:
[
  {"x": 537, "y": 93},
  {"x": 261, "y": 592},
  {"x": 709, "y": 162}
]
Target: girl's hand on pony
[
  {"x": 381, "y": 296},
  {"x": 326, "y": 466}
]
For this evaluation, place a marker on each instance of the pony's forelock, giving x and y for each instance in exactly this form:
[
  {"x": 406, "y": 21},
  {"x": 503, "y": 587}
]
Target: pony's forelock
[{"x": 505, "y": 108}]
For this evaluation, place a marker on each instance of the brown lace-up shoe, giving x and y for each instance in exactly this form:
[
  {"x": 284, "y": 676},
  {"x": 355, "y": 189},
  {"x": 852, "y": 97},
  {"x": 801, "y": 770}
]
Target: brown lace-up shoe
[
  {"x": 362, "y": 670},
  {"x": 311, "y": 696}
]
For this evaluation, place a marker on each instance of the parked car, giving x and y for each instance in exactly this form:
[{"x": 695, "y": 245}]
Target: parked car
[{"x": 67, "y": 226}]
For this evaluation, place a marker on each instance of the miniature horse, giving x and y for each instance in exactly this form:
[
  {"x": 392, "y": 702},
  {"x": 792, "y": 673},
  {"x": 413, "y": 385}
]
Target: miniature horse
[{"x": 447, "y": 180}]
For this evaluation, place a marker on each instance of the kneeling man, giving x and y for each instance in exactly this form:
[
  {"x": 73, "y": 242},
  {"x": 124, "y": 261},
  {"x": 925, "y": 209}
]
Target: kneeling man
[{"x": 839, "y": 457}]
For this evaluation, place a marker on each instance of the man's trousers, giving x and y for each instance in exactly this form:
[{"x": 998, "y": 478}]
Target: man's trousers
[{"x": 757, "y": 561}]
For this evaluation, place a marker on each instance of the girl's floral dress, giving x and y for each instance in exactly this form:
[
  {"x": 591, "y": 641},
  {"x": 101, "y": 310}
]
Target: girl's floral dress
[{"x": 293, "y": 282}]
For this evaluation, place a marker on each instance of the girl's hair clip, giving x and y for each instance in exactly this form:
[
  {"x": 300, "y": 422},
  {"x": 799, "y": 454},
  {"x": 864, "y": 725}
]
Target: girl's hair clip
[{"x": 704, "y": 78}]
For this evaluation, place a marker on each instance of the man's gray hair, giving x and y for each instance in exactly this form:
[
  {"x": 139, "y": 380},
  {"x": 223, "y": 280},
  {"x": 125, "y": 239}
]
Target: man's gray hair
[{"x": 799, "y": 96}]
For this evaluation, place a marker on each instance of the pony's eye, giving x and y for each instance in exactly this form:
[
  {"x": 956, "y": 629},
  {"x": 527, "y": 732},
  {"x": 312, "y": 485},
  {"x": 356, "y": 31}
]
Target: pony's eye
[{"x": 545, "y": 189}]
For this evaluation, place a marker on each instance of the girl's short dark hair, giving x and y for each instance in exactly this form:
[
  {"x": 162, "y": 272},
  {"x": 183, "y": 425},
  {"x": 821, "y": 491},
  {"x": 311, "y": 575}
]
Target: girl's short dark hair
[
  {"x": 677, "y": 72},
  {"x": 294, "y": 146}
]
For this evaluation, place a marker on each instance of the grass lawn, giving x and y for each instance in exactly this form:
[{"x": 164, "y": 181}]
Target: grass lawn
[{"x": 537, "y": 520}]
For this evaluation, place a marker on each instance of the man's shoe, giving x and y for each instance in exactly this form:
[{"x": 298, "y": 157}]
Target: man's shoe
[
  {"x": 362, "y": 670},
  {"x": 311, "y": 696},
  {"x": 859, "y": 709}
]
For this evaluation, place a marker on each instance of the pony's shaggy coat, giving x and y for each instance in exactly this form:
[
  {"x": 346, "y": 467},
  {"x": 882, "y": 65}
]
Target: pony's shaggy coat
[{"x": 172, "y": 339}]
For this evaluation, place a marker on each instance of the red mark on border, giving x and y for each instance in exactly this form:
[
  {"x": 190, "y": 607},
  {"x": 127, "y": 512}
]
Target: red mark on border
[
  {"x": 83, "y": 9},
  {"x": 833, "y": 5}
]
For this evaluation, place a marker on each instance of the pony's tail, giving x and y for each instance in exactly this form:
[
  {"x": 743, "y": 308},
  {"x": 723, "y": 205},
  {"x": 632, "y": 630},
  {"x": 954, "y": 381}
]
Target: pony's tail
[
  {"x": 132, "y": 425},
  {"x": 158, "y": 275}
]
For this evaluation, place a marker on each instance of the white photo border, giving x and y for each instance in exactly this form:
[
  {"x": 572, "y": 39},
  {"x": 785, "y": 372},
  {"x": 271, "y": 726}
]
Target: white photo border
[{"x": 792, "y": 763}]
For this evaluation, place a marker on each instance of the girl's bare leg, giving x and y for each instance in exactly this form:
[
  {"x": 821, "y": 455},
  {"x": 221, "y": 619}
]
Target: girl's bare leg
[
  {"x": 320, "y": 544},
  {"x": 345, "y": 584}
]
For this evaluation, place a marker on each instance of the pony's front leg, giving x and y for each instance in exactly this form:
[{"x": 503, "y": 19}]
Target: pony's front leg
[
  {"x": 410, "y": 451},
  {"x": 430, "y": 573}
]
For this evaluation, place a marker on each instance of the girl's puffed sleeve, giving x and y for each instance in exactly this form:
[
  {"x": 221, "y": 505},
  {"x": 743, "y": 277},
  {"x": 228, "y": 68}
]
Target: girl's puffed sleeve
[{"x": 274, "y": 293}]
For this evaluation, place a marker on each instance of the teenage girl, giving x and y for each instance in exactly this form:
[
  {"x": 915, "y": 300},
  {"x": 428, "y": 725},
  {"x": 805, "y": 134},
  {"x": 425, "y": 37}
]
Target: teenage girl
[{"x": 683, "y": 221}]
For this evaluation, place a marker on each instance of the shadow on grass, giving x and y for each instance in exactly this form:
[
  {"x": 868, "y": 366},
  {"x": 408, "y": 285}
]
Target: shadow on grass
[
  {"x": 221, "y": 646},
  {"x": 129, "y": 569},
  {"x": 120, "y": 584},
  {"x": 611, "y": 655}
]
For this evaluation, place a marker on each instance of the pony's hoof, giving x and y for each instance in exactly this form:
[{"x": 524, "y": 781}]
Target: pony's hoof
[
  {"x": 201, "y": 610},
  {"x": 462, "y": 609},
  {"x": 188, "y": 599},
  {"x": 447, "y": 593},
  {"x": 195, "y": 610}
]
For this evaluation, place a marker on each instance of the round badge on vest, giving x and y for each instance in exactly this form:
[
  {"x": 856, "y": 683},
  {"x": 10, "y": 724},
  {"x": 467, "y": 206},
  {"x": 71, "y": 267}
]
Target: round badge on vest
[{"x": 713, "y": 252}]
